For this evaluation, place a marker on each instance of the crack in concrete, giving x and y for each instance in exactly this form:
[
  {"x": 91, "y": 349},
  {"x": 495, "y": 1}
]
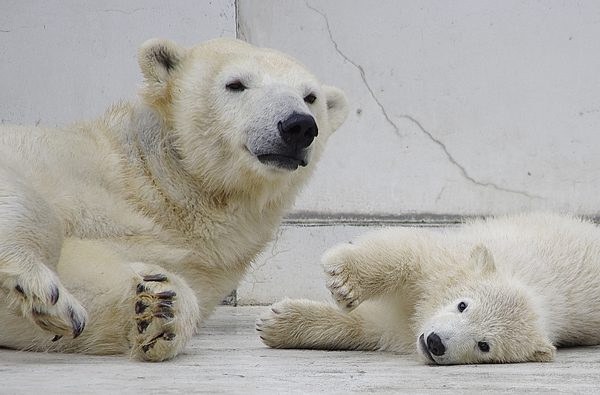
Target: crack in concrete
[
  {"x": 360, "y": 69},
  {"x": 462, "y": 169},
  {"x": 12, "y": 30},
  {"x": 411, "y": 119},
  {"x": 126, "y": 12}
]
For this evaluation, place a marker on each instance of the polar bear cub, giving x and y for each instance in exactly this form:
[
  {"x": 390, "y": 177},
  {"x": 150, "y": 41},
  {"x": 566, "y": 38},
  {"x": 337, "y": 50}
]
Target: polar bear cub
[
  {"x": 125, "y": 232},
  {"x": 506, "y": 289}
]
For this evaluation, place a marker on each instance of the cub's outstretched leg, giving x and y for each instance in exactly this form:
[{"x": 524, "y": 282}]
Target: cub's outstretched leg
[
  {"x": 317, "y": 325},
  {"x": 368, "y": 281},
  {"x": 31, "y": 237}
]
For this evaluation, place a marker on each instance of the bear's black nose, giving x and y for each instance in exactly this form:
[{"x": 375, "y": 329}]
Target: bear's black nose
[
  {"x": 435, "y": 345},
  {"x": 298, "y": 131}
]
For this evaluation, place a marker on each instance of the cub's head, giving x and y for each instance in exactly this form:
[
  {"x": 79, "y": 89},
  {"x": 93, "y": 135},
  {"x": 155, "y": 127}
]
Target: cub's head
[
  {"x": 240, "y": 116},
  {"x": 487, "y": 321}
]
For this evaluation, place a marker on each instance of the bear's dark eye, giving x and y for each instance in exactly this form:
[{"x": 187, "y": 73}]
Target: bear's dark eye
[
  {"x": 461, "y": 307},
  {"x": 310, "y": 98},
  {"x": 483, "y": 346},
  {"x": 236, "y": 86}
]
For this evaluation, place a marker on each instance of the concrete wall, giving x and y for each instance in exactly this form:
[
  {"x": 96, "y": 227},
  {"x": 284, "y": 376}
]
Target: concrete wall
[
  {"x": 71, "y": 59},
  {"x": 457, "y": 107}
]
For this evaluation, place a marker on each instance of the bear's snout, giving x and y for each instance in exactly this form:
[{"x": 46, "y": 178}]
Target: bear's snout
[
  {"x": 298, "y": 131},
  {"x": 291, "y": 146},
  {"x": 435, "y": 345}
]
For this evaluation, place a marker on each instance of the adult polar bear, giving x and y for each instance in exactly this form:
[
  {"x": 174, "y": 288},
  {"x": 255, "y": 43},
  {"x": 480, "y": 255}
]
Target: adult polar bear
[
  {"x": 137, "y": 224},
  {"x": 507, "y": 289}
]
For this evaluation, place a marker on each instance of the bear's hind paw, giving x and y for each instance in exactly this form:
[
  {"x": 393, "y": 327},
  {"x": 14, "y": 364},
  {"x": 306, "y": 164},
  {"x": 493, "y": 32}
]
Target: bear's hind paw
[{"x": 161, "y": 325}]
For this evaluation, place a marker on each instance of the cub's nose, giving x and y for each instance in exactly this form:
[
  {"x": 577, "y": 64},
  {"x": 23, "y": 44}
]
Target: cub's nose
[
  {"x": 435, "y": 345},
  {"x": 298, "y": 131}
]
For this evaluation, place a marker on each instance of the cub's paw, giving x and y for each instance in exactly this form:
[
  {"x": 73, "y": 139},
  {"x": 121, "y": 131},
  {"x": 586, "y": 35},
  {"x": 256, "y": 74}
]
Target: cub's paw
[
  {"x": 341, "y": 276},
  {"x": 281, "y": 326},
  {"x": 165, "y": 317},
  {"x": 41, "y": 297}
]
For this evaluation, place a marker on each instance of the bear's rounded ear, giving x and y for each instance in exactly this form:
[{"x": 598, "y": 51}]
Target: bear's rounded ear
[
  {"x": 337, "y": 106},
  {"x": 482, "y": 259},
  {"x": 544, "y": 352},
  {"x": 158, "y": 59}
]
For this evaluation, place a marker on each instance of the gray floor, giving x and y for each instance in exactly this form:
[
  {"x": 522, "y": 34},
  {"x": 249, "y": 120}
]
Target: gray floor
[{"x": 227, "y": 357}]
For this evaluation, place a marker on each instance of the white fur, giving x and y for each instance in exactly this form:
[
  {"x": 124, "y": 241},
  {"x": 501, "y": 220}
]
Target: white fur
[
  {"x": 137, "y": 224},
  {"x": 529, "y": 283}
]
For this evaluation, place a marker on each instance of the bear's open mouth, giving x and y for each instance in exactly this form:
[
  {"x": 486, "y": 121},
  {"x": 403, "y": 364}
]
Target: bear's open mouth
[
  {"x": 283, "y": 162},
  {"x": 423, "y": 348}
]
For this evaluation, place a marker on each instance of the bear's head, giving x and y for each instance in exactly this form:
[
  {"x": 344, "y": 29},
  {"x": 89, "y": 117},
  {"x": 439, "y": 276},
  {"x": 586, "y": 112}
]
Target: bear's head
[
  {"x": 241, "y": 118},
  {"x": 485, "y": 320}
]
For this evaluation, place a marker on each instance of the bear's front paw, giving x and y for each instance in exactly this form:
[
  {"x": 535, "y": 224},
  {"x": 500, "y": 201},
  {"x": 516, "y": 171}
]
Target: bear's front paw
[
  {"x": 43, "y": 299},
  {"x": 164, "y": 319},
  {"x": 341, "y": 277}
]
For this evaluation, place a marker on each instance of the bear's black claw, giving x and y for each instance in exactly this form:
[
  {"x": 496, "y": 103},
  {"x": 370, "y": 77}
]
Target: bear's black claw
[{"x": 156, "y": 277}]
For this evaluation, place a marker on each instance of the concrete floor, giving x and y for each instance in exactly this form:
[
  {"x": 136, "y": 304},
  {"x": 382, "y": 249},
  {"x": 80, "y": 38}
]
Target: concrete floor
[{"x": 227, "y": 357}]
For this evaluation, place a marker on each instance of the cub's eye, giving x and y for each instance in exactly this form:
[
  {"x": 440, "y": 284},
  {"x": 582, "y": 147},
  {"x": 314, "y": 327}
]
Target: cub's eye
[
  {"x": 236, "y": 86},
  {"x": 483, "y": 346},
  {"x": 461, "y": 307},
  {"x": 310, "y": 98}
]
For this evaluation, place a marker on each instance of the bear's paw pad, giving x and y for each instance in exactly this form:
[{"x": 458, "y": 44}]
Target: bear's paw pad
[{"x": 155, "y": 318}]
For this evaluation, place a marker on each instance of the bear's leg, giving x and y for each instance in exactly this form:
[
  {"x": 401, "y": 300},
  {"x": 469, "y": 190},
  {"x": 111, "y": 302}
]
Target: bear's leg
[
  {"x": 133, "y": 306},
  {"x": 316, "y": 325},
  {"x": 379, "y": 264},
  {"x": 30, "y": 245}
]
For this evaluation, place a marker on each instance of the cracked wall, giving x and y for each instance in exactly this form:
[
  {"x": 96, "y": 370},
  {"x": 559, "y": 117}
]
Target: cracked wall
[{"x": 462, "y": 109}]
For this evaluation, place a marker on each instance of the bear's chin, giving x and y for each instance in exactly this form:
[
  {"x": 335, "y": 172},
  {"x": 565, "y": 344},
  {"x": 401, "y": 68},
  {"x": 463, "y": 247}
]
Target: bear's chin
[{"x": 281, "y": 162}]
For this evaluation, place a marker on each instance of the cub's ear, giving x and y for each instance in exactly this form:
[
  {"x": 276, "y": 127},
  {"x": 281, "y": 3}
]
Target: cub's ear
[
  {"x": 159, "y": 59},
  {"x": 481, "y": 258},
  {"x": 544, "y": 352},
  {"x": 337, "y": 106}
]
